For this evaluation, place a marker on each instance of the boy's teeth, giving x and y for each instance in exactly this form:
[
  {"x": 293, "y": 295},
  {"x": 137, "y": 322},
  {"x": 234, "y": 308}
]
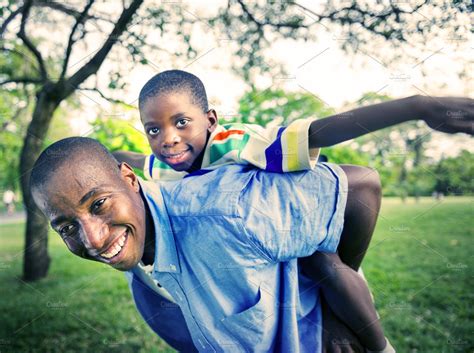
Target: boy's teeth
[{"x": 115, "y": 249}]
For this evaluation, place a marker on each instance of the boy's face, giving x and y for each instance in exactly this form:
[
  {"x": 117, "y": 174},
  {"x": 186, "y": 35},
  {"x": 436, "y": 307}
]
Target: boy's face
[
  {"x": 99, "y": 215},
  {"x": 176, "y": 128}
]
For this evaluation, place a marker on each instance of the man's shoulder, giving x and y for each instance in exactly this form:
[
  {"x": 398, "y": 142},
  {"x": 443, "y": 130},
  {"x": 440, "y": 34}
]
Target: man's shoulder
[{"x": 208, "y": 191}]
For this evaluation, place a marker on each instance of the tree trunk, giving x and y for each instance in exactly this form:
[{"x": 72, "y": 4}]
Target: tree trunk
[{"x": 36, "y": 258}]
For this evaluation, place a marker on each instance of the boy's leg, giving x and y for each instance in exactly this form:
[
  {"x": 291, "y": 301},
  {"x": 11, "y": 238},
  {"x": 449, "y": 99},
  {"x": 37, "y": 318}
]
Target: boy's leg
[
  {"x": 362, "y": 209},
  {"x": 345, "y": 291},
  {"x": 348, "y": 296}
]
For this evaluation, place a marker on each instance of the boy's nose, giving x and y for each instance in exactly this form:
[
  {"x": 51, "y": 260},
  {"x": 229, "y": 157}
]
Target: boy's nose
[
  {"x": 94, "y": 235},
  {"x": 171, "y": 139}
]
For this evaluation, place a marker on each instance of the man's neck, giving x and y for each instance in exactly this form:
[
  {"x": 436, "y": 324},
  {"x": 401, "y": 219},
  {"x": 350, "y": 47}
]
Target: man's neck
[{"x": 148, "y": 257}]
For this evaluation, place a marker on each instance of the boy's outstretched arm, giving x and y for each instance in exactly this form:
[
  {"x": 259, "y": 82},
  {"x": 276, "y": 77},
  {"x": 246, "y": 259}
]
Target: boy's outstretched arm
[
  {"x": 135, "y": 160},
  {"x": 447, "y": 114}
]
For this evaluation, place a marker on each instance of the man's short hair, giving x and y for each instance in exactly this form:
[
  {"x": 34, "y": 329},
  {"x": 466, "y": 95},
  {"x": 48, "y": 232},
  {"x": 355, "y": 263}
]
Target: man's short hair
[
  {"x": 72, "y": 150},
  {"x": 172, "y": 81}
]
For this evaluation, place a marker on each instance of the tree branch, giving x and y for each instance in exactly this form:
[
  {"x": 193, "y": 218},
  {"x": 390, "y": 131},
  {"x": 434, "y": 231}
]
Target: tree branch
[
  {"x": 9, "y": 19},
  {"x": 28, "y": 43},
  {"x": 79, "y": 21},
  {"x": 94, "y": 64},
  {"x": 111, "y": 100},
  {"x": 260, "y": 24},
  {"x": 23, "y": 80},
  {"x": 67, "y": 10}
]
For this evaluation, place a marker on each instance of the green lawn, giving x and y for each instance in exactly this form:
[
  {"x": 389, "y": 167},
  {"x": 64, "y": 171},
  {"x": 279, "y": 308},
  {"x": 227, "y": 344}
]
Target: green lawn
[{"x": 418, "y": 268}]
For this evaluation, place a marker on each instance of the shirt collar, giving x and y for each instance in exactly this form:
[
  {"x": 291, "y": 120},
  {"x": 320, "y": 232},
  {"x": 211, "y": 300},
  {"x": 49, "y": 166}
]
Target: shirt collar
[{"x": 166, "y": 255}]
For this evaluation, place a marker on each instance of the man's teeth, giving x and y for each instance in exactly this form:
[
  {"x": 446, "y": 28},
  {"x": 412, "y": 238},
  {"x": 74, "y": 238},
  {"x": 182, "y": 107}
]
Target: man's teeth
[{"x": 115, "y": 249}]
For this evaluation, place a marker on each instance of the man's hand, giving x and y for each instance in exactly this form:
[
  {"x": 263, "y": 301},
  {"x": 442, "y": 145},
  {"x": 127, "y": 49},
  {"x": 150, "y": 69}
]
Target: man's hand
[
  {"x": 448, "y": 114},
  {"x": 337, "y": 337}
]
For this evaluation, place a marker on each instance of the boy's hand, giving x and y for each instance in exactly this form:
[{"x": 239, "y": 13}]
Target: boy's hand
[
  {"x": 337, "y": 337},
  {"x": 135, "y": 160},
  {"x": 448, "y": 114}
]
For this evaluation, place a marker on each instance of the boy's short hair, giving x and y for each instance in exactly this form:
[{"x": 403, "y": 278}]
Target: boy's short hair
[
  {"x": 73, "y": 150},
  {"x": 175, "y": 81}
]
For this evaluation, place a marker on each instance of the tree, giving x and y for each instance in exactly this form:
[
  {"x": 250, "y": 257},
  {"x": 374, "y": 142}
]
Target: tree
[
  {"x": 250, "y": 27},
  {"x": 49, "y": 94},
  {"x": 454, "y": 174}
]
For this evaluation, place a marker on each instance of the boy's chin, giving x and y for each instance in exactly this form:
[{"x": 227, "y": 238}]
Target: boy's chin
[{"x": 181, "y": 167}]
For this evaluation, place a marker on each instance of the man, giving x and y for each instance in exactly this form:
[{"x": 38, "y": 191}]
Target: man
[{"x": 233, "y": 269}]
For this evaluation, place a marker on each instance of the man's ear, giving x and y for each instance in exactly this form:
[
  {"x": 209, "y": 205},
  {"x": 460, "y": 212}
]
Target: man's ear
[
  {"x": 129, "y": 176},
  {"x": 212, "y": 120}
]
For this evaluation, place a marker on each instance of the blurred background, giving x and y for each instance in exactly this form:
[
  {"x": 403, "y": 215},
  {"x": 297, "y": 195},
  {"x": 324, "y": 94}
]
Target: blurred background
[{"x": 76, "y": 67}]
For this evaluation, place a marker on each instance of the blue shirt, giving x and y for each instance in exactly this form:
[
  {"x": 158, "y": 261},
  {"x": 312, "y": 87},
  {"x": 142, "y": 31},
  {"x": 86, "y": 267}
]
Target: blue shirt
[{"x": 227, "y": 244}]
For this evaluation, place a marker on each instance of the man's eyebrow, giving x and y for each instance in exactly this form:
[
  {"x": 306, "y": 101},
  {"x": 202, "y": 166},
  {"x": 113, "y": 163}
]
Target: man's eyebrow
[
  {"x": 56, "y": 221},
  {"x": 88, "y": 195}
]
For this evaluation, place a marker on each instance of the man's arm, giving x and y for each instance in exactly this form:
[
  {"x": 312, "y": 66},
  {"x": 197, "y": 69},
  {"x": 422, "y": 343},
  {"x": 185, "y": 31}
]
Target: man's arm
[
  {"x": 135, "y": 160},
  {"x": 447, "y": 114}
]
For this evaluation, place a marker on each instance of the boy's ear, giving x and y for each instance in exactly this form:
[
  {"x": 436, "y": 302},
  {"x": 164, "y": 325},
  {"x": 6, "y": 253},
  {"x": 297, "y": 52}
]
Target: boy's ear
[
  {"x": 129, "y": 176},
  {"x": 212, "y": 120}
]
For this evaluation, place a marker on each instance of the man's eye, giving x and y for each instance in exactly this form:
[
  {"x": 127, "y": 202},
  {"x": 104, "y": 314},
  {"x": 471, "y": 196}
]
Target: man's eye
[
  {"x": 182, "y": 123},
  {"x": 153, "y": 131},
  {"x": 66, "y": 230},
  {"x": 97, "y": 205}
]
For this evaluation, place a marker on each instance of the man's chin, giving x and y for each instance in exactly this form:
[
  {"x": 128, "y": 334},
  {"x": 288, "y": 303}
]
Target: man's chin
[{"x": 124, "y": 267}]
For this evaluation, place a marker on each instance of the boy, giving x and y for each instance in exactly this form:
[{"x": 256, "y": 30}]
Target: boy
[
  {"x": 178, "y": 98},
  {"x": 184, "y": 136}
]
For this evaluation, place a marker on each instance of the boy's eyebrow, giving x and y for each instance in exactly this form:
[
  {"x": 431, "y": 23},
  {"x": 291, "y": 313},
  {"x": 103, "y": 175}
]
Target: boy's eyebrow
[
  {"x": 177, "y": 115},
  {"x": 174, "y": 116}
]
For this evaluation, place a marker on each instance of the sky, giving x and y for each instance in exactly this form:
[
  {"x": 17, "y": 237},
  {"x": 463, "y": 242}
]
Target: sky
[{"x": 318, "y": 67}]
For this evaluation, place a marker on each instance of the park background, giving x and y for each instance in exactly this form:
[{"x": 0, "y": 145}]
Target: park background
[{"x": 76, "y": 67}]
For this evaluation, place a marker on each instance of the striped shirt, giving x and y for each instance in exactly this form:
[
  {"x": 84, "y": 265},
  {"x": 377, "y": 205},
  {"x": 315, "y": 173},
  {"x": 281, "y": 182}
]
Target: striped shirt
[{"x": 274, "y": 149}]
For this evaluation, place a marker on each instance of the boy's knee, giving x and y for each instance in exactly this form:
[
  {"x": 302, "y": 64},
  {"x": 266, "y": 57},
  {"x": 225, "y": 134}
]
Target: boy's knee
[
  {"x": 373, "y": 182},
  {"x": 322, "y": 266},
  {"x": 363, "y": 180}
]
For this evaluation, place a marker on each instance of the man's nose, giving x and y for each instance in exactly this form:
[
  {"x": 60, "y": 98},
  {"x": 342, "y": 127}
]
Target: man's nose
[
  {"x": 95, "y": 233},
  {"x": 171, "y": 138}
]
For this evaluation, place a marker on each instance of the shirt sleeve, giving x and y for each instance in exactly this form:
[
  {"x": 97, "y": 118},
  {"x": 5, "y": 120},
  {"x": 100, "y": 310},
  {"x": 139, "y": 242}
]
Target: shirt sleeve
[
  {"x": 154, "y": 169},
  {"x": 279, "y": 149},
  {"x": 148, "y": 167}
]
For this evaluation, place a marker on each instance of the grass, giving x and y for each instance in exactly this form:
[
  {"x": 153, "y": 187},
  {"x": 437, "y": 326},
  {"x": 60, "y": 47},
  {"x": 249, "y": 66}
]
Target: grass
[
  {"x": 418, "y": 268},
  {"x": 80, "y": 307}
]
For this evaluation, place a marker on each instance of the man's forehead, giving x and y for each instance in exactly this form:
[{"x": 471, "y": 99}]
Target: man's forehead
[{"x": 73, "y": 183}]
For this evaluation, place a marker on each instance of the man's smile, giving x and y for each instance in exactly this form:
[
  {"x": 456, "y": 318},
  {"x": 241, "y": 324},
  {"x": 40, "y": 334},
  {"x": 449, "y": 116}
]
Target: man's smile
[{"x": 114, "y": 251}]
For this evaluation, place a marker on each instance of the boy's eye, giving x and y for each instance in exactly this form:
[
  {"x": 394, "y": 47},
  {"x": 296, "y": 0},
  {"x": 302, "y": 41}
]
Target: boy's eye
[
  {"x": 182, "y": 123},
  {"x": 153, "y": 131},
  {"x": 97, "y": 205}
]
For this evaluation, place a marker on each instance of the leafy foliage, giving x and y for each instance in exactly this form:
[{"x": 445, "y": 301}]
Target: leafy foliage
[{"x": 455, "y": 176}]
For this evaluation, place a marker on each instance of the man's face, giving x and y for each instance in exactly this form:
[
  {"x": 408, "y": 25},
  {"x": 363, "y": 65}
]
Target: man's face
[
  {"x": 99, "y": 215},
  {"x": 176, "y": 128}
]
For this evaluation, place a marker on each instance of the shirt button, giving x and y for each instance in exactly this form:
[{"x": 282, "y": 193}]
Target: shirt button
[{"x": 172, "y": 267}]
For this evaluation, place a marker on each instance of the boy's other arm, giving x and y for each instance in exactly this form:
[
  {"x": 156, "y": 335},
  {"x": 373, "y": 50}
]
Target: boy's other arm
[
  {"x": 447, "y": 114},
  {"x": 135, "y": 160}
]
